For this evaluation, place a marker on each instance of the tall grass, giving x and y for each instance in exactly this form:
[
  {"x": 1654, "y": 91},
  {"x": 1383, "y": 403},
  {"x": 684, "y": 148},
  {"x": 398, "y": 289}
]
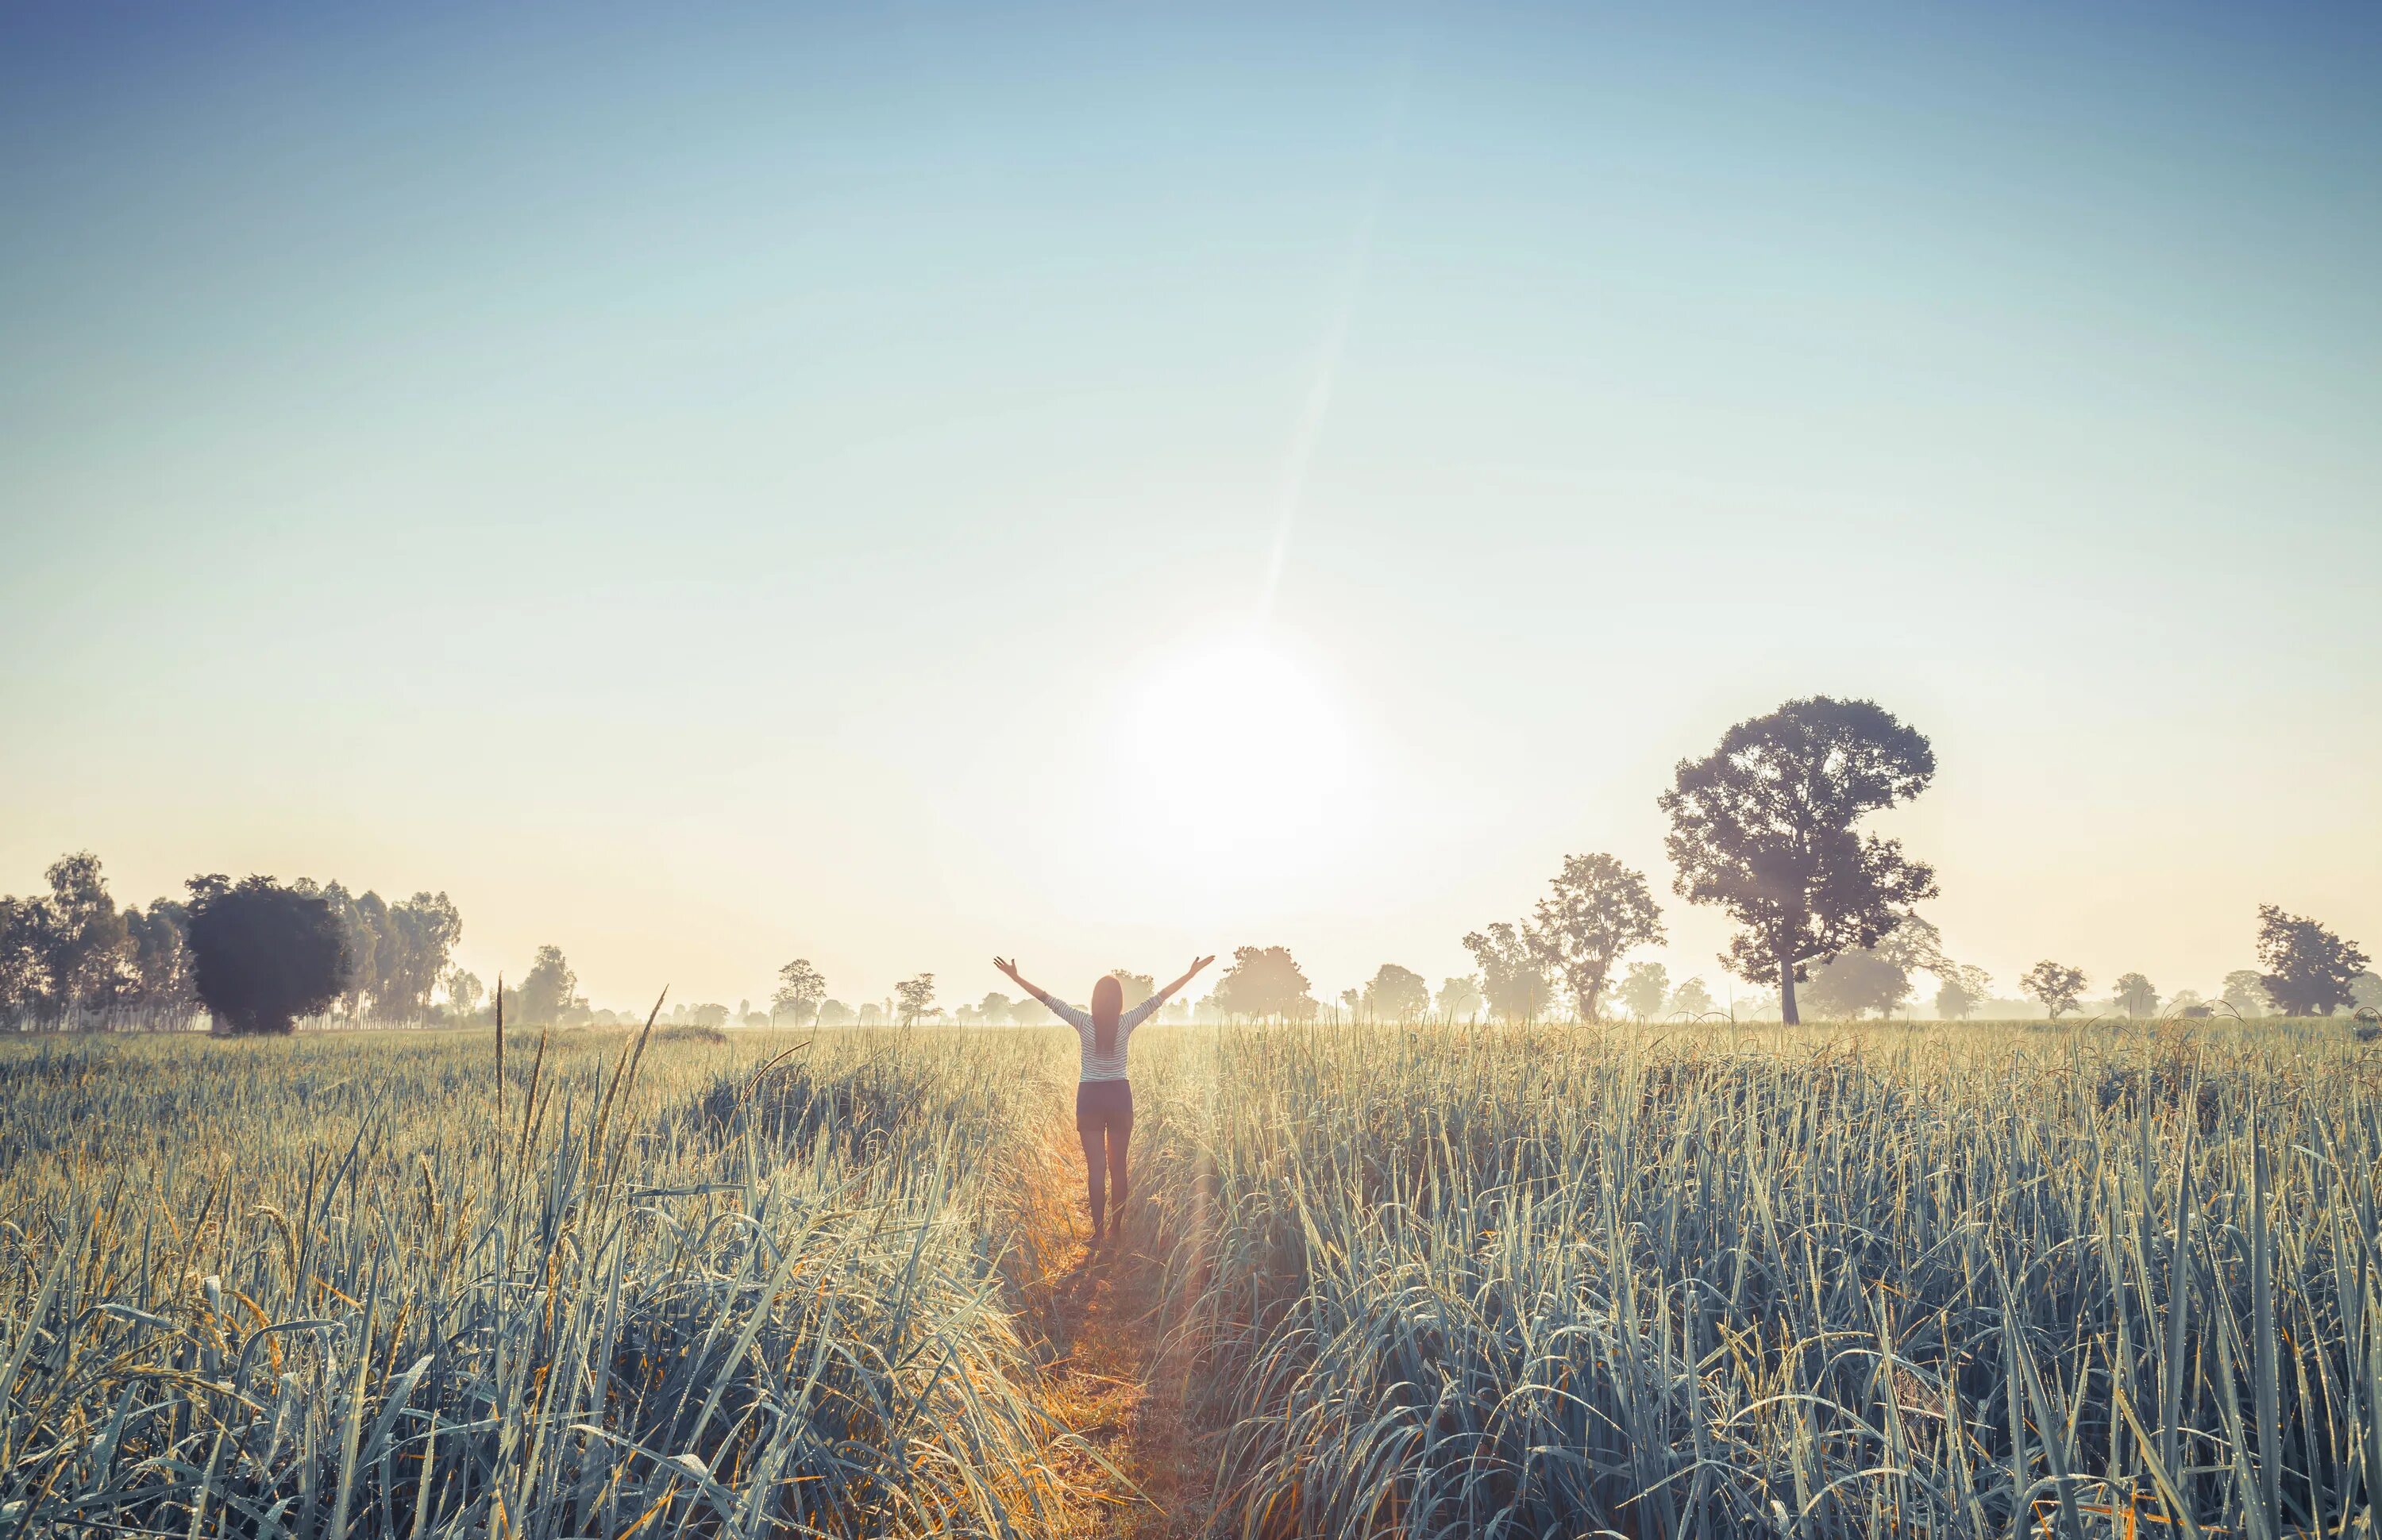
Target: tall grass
[
  {"x": 1947, "y": 1281},
  {"x": 317, "y": 1288}
]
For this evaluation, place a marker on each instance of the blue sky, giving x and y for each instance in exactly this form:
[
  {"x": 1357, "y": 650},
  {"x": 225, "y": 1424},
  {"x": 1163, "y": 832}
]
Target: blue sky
[{"x": 710, "y": 486}]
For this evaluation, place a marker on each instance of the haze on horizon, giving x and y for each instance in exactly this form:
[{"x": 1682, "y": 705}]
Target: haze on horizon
[{"x": 1109, "y": 486}]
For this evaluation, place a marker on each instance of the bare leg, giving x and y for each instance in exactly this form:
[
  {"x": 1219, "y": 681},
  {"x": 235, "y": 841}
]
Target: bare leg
[
  {"x": 1094, "y": 1179},
  {"x": 1120, "y": 1135}
]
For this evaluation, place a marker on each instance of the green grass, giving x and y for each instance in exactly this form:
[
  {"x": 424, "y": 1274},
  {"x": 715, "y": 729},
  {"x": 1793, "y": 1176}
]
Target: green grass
[{"x": 1887, "y": 1280}]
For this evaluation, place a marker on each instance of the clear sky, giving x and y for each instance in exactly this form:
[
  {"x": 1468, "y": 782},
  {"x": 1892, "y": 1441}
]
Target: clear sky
[{"x": 709, "y": 485}]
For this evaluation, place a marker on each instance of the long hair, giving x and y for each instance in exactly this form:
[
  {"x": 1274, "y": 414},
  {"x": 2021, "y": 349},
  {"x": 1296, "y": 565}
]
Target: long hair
[{"x": 1107, "y": 1003}]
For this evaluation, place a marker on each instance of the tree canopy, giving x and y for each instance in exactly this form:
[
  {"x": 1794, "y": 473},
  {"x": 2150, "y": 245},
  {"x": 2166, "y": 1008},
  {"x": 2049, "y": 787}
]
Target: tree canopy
[
  {"x": 1513, "y": 972},
  {"x": 263, "y": 955},
  {"x": 1264, "y": 981},
  {"x": 1764, "y": 828},
  {"x": 1597, "y": 909},
  {"x": 2309, "y": 971},
  {"x": 2055, "y": 985},
  {"x": 1397, "y": 995}
]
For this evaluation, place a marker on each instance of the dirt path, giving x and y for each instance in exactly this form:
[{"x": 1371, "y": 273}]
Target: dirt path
[{"x": 1112, "y": 1379}]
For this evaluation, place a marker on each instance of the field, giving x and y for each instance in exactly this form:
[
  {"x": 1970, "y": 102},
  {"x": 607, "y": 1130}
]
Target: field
[{"x": 1891, "y": 1281}]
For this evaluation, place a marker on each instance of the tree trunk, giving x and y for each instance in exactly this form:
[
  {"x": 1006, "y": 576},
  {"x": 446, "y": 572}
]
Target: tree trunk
[{"x": 1786, "y": 993}]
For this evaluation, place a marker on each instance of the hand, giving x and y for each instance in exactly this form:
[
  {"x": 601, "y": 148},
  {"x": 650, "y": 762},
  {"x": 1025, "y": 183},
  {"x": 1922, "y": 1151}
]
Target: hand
[
  {"x": 1201, "y": 963},
  {"x": 1008, "y": 966}
]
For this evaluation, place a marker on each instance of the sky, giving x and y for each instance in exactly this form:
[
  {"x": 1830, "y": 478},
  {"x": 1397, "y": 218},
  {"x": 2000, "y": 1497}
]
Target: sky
[{"x": 707, "y": 485}]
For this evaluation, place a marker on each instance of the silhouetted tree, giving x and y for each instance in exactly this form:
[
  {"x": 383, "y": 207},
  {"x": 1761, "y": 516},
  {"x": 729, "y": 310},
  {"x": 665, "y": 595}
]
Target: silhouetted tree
[
  {"x": 160, "y": 958},
  {"x": 1597, "y": 911},
  {"x": 2308, "y": 968},
  {"x": 917, "y": 996},
  {"x": 414, "y": 940},
  {"x": 1691, "y": 998},
  {"x": 1264, "y": 981},
  {"x": 1460, "y": 999},
  {"x": 1513, "y": 972},
  {"x": 1645, "y": 988},
  {"x": 547, "y": 993},
  {"x": 1763, "y": 828},
  {"x": 263, "y": 955},
  {"x": 1397, "y": 995},
  {"x": 995, "y": 1006},
  {"x": 1853, "y": 982},
  {"x": 833, "y": 1013},
  {"x": 2245, "y": 992},
  {"x": 24, "y": 972},
  {"x": 800, "y": 987},
  {"x": 1955, "y": 1001},
  {"x": 465, "y": 991},
  {"x": 2135, "y": 995},
  {"x": 2056, "y": 986}
]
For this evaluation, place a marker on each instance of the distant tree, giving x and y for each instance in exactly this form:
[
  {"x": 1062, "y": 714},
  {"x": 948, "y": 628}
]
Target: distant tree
[
  {"x": 2246, "y": 992},
  {"x": 1398, "y": 995},
  {"x": 871, "y": 1014},
  {"x": 2055, "y": 986},
  {"x": 86, "y": 958},
  {"x": 263, "y": 955},
  {"x": 1765, "y": 828},
  {"x": 1460, "y": 999},
  {"x": 547, "y": 992},
  {"x": 1353, "y": 1000},
  {"x": 1513, "y": 972},
  {"x": 2365, "y": 991},
  {"x": 1137, "y": 987},
  {"x": 160, "y": 958},
  {"x": 1861, "y": 980},
  {"x": 1598, "y": 910},
  {"x": 995, "y": 1006},
  {"x": 706, "y": 1016},
  {"x": 1028, "y": 1012},
  {"x": 2135, "y": 995},
  {"x": 24, "y": 971},
  {"x": 1954, "y": 1000},
  {"x": 800, "y": 987},
  {"x": 1264, "y": 981},
  {"x": 832, "y": 1013},
  {"x": 752, "y": 1018},
  {"x": 465, "y": 991},
  {"x": 415, "y": 939},
  {"x": 917, "y": 996},
  {"x": 1691, "y": 998},
  {"x": 2308, "y": 968},
  {"x": 1644, "y": 989}
]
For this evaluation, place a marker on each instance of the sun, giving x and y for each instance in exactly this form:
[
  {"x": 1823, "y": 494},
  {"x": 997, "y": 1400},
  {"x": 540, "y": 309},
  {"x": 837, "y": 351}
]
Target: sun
[{"x": 1237, "y": 759}]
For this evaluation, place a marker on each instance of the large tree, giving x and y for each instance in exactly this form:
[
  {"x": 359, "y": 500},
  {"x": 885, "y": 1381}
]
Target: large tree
[
  {"x": 1264, "y": 981},
  {"x": 415, "y": 940},
  {"x": 1513, "y": 972},
  {"x": 1397, "y": 995},
  {"x": 1597, "y": 911},
  {"x": 263, "y": 955},
  {"x": 1765, "y": 828},
  {"x": 801, "y": 989},
  {"x": 547, "y": 993},
  {"x": 917, "y": 996},
  {"x": 2309, "y": 971}
]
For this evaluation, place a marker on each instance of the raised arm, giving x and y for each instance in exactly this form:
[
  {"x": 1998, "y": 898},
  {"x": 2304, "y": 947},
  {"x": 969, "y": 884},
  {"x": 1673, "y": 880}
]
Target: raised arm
[
  {"x": 1168, "y": 993},
  {"x": 1009, "y": 966}
]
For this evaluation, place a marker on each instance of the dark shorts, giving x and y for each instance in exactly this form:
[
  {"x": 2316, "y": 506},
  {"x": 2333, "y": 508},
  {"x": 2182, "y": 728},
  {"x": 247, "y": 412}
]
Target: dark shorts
[{"x": 1104, "y": 1106}]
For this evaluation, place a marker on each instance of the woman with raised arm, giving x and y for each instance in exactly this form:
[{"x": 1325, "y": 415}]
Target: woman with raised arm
[{"x": 1103, "y": 1096}]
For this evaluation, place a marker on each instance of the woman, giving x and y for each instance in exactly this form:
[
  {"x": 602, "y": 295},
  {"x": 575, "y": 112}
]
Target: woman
[{"x": 1103, "y": 1096}]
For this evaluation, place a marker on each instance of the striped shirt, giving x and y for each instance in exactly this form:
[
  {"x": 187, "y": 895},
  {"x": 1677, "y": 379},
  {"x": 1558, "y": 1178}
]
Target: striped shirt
[{"x": 1099, "y": 1066}]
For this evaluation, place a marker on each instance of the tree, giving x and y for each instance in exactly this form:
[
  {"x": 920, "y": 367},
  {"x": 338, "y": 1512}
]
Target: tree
[
  {"x": 547, "y": 992},
  {"x": 263, "y": 955},
  {"x": 708, "y": 1015},
  {"x": 1513, "y": 972},
  {"x": 2135, "y": 995},
  {"x": 1460, "y": 997},
  {"x": 160, "y": 958},
  {"x": 2308, "y": 968},
  {"x": 415, "y": 941},
  {"x": 800, "y": 987},
  {"x": 1397, "y": 995},
  {"x": 2246, "y": 992},
  {"x": 2054, "y": 985},
  {"x": 1264, "y": 981},
  {"x": 833, "y": 1013},
  {"x": 1645, "y": 988},
  {"x": 1137, "y": 987},
  {"x": 1955, "y": 1001},
  {"x": 1692, "y": 998},
  {"x": 917, "y": 996},
  {"x": 1354, "y": 999},
  {"x": 465, "y": 991},
  {"x": 1764, "y": 828},
  {"x": 24, "y": 971},
  {"x": 2365, "y": 991},
  {"x": 995, "y": 1006},
  {"x": 1028, "y": 1012},
  {"x": 87, "y": 953},
  {"x": 1851, "y": 983},
  {"x": 1597, "y": 911}
]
